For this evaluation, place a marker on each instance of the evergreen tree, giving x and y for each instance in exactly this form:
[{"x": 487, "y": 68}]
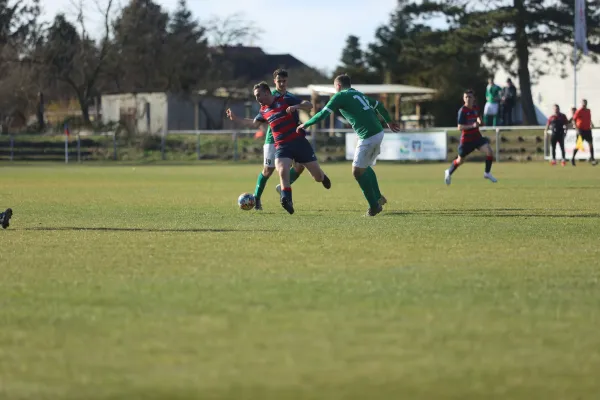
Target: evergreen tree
[
  {"x": 353, "y": 62},
  {"x": 140, "y": 57},
  {"x": 509, "y": 30},
  {"x": 188, "y": 51}
]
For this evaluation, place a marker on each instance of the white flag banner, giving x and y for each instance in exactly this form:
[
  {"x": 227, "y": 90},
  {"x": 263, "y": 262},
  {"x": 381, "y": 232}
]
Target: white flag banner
[{"x": 580, "y": 26}]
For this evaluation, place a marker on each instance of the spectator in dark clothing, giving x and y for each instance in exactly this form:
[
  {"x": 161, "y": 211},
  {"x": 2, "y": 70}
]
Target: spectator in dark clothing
[
  {"x": 509, "y": 99},
  {"x": 557, "y": 123}
]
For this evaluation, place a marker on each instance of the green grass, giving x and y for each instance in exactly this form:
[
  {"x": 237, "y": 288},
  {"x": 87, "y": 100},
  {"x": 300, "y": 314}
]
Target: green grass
[{"x": 148, "y": 283}]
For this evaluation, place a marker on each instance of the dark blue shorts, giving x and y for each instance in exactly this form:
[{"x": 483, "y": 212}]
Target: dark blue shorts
[
  {"x": 464, "y": 149},
  {"x": 298, "y": 150}
]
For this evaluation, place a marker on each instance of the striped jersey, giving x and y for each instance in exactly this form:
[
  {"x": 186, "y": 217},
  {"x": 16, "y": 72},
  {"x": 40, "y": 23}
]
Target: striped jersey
[
  {"x": 269, "y": 136},
  {"x": 468, "y": 116},
  {"x": 281, "y": 123}
]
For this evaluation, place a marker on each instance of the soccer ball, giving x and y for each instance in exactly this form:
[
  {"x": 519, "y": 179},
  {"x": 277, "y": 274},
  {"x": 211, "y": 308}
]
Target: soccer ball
[{"x": 246, "y": 201}]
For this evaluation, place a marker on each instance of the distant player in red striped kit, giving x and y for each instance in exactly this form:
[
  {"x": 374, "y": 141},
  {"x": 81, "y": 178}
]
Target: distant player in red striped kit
[{"x": 471, "y": 138}]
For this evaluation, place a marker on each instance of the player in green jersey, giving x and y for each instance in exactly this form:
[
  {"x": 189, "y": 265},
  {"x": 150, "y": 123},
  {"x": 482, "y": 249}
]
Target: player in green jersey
[
  {"x": 492, "y": 104},
  {"x": 280, "y": 77},
  {"x": 361, "y": 112}
]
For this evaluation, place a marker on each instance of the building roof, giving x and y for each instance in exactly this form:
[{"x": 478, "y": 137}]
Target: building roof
[
  {"x": 252, "y": 64},
  {"x": 408, "y": 92}
]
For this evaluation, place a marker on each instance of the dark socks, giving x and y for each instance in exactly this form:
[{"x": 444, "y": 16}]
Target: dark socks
[
  {"x": 488, "y": 164},
  {"x": 453, "y": 167},
  {"x": 286, "y": 193}
]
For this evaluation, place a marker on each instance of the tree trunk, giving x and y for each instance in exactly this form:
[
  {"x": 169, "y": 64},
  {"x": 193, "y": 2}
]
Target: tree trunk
[
  {"x": 522, "y": 47},
  {"x": 85, "y": 110},
  {"x": 40, "y": 113}
]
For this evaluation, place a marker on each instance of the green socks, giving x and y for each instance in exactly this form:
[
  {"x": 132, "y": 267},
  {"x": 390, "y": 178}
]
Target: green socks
[
  {"x": 293, "y": 175},
  {"x": 374, "y": 182},
  {"x": 366, "y": 184},
  {"x": 261, "y": 182}
]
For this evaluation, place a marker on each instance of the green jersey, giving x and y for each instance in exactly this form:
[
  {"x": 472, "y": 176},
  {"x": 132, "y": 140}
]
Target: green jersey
[
  {"x": 492, "y": 93},
  {"x": 269, "y": 139},
  {"x": 358, "y": 109}
]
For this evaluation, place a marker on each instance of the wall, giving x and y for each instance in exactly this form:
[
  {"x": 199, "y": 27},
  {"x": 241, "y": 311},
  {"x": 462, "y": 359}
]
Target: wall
[{"x": 146, "y": 110}]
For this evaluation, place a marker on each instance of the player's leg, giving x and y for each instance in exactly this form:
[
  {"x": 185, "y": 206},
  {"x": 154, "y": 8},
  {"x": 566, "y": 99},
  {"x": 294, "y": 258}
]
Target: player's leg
[
  {"x": 589, "y": 139},
  {"x": 372, "y": 159},
  {"x": 464, "y": 149},
  {"x": 561, "y": 143},
  {"x": 295, "y": 173},
  {"x": 489, "y": 159},
  {"x": 283, "y": 165},
  {"x": 487, "y": 116},
  {"x": 315, "y": 170},
  {"x": 366, "y": 152},
  {"x": 575, "y": 150},
  {"x": 5, "y": 218},
  {"x": 305, "y": 155},
  {"x": 553, "y": 143},
  {"x": 265, "y": 174}
]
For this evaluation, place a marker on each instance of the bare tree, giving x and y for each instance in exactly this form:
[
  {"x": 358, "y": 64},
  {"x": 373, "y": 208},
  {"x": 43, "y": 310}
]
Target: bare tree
[
  {"x": 231, "y": 30},
  {"x": 71, "y": 55}
]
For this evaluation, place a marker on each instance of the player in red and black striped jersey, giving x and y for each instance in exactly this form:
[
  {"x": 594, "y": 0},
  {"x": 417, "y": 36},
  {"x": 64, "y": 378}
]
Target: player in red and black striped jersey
[
  {"x": 291, "y": 144},
  {"x": 558, "y": 123},
  {"x": 471, "y": 138}
]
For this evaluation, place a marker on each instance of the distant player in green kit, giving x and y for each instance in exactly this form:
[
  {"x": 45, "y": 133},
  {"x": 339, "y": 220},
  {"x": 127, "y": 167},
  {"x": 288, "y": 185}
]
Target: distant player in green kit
[
  {"x": 280, "y": 77},
  {"x": 361, "y": 112},
  {"x": 492, "y": 103}
]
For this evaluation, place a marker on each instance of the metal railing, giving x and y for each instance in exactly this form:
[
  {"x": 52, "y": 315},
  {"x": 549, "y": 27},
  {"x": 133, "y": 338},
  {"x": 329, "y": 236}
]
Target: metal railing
[{"x": 329, "y": 138}]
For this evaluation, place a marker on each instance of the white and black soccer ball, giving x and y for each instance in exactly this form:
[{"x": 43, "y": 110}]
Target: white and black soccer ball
[{"x": 246, "y": 201}]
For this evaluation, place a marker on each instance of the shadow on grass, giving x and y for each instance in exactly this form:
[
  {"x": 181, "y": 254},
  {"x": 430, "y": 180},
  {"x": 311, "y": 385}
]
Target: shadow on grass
[
  {"x": 494, "y": 213},
  {"x": 106, "y": 229}
]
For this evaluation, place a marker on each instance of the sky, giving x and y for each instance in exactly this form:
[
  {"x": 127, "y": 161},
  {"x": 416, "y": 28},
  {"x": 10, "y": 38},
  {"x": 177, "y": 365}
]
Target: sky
[{"x": 314, "y": 31}]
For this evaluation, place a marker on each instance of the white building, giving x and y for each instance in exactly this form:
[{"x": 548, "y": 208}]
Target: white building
[
  {"x": 553, "y": 89},
  {"x": 154, "y": 112}
]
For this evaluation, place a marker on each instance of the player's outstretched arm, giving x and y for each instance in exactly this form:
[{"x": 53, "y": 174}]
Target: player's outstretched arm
[
  {"x": 305, "y": 105},
  {"x": 381, "y": 110},
  {"x": 318, "y": 117},
  {"x": 297, "y": 104},
  {"x": 247, "y": 122},
  {"x": 329, "y": 108}
]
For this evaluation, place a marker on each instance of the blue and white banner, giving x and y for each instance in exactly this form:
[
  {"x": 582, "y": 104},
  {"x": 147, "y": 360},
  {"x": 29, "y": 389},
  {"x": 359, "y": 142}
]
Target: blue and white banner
[{"x": 406, "y": 146}]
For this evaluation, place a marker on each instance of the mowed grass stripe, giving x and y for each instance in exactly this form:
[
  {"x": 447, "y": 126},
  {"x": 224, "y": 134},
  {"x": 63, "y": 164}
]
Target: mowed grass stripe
[{"x": 149, "y": 283}]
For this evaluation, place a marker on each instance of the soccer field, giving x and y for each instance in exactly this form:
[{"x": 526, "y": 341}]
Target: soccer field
[{"x": 148, "y": 282}]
